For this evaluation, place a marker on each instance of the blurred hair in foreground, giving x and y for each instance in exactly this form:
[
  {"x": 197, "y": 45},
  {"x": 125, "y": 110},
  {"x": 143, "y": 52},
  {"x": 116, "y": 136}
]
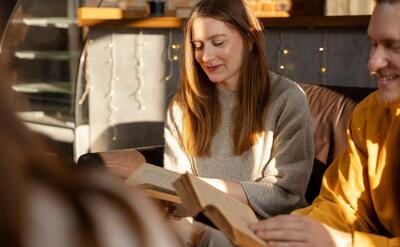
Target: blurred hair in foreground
[{"x": 45, "y": 201}]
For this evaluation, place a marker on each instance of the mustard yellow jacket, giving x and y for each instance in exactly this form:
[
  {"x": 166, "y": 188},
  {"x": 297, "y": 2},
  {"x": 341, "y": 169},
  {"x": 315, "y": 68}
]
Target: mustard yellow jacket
[{"x": 360, "y": 191}]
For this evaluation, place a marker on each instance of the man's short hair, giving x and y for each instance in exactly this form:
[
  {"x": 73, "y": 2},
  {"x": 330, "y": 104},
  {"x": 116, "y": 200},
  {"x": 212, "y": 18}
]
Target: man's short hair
[{"x": 387, "y": 1}]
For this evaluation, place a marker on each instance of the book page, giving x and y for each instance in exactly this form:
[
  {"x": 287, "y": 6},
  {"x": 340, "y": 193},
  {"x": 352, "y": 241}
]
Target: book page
[
  {"x": 187, "y": 197},
  {"x": 226, "y": 212},
  {"x": 158, "y": 195},
  {"x": 236, "y": 228},
  {"x": 208, "y": 195},
  {"x": 151, "y": 176}
]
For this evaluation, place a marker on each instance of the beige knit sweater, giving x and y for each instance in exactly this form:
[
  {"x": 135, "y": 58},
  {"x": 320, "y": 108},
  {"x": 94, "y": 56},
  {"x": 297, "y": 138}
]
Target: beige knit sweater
[{"x": 274, "y": 173}]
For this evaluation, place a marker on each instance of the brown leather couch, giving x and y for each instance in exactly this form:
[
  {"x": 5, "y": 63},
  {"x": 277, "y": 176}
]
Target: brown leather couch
[{"x": 330, "y": 108}]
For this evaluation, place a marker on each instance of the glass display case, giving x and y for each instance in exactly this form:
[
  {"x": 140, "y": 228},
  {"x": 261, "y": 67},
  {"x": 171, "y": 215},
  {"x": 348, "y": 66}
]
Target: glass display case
[{"x": 42, "y": 46}]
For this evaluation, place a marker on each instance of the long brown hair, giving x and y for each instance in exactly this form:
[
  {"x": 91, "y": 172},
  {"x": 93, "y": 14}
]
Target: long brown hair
[{"x": 197, "y": 95}]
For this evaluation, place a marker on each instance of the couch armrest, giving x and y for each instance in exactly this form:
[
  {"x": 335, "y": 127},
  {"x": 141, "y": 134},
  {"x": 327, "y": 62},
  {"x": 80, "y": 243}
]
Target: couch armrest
[
  {"x": 118, "y": 162},
  {"x": 123, "y": 162}
]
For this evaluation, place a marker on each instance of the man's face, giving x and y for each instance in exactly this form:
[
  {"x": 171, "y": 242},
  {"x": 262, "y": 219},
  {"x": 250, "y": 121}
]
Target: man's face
[{"x": 384, "y": 33}]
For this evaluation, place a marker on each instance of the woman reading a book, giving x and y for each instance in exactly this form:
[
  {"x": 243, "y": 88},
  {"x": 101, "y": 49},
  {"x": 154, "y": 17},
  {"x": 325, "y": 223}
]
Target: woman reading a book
[{"x": 241, "y": 128}]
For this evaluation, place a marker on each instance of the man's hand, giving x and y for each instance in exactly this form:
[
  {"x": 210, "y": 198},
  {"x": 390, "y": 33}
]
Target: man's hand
[{"x": 297, "y": 230}]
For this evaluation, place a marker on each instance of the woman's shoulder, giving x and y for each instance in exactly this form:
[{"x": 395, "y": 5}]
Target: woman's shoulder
[
  {"x": 284, "y": 88},
  {"x": 174, "y": 110}
]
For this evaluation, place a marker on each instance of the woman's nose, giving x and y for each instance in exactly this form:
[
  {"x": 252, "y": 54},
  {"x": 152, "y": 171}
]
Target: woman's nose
[{"x": 208, "y": 54}]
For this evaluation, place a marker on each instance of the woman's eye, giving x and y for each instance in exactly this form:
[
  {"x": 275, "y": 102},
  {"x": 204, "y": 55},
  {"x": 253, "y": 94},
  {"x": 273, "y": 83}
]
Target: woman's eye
[{"x": 218, "y": 43}]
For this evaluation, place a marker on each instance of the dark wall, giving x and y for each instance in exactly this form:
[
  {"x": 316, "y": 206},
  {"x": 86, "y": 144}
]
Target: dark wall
[
  {"x": 6, "y": 7},
  {"x": 307, "y": 7}
]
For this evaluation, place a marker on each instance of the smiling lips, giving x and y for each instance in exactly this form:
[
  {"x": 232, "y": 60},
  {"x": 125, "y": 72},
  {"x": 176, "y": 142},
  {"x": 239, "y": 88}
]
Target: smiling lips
[
  {"x": 212, "y": 69},
  {"x": 385, "y": 79},
  {"x": 388, "y": 78}
]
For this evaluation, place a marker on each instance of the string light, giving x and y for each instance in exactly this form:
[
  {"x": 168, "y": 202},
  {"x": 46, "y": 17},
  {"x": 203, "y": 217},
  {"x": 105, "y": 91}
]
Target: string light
[
  {"x": 286, "y": 68},
  {"x": 110, "y": 96},
  {"x": 281, "y": 51},
  {"x": 175, "y": 46},
  {"x": 171, "y": 59},
  {"x": 324, "y": 57},
  {"x": 139, "y": 71},
  {"x": 88, "y": 86},
  {"x": 85, "y": 94}
]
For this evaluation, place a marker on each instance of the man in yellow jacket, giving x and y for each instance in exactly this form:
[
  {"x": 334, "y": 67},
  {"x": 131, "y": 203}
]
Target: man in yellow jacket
[{"x": 359, "y": 202}]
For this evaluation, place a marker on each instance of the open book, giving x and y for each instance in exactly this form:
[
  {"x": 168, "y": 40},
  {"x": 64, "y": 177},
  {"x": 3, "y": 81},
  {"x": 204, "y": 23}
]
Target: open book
[
  {"x": 227, "y": 213},
  {"x": 194, "y": 197},
  {"x": 157, "y": 182}
]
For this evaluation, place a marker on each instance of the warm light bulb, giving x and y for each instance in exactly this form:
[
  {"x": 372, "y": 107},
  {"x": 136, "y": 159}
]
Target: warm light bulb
[
  {"x": 175, "y": 58},
  {"x": 282, "y": 67},
  {"x": 175, "y": 46},
  {"x": 285, "y": 51},
  {"x": 323, "y": 69},
  {"x": 321, "y": 49}
]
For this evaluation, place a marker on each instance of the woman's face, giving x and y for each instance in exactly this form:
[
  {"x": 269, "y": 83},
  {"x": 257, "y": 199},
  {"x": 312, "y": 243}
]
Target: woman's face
[{"x": 218, "y": 48}]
